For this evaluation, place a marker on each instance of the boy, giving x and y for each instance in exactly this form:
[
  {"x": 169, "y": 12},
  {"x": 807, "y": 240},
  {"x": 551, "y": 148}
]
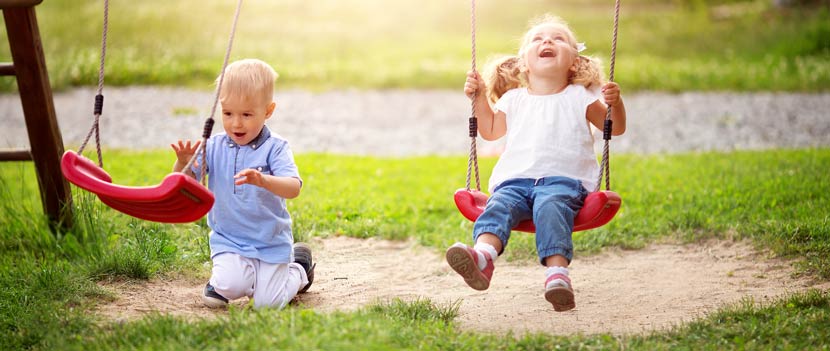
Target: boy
[{"x": 252, "y": 172}]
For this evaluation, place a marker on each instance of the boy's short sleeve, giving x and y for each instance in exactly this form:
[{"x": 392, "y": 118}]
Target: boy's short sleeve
[{"x": 282, "y": 162}]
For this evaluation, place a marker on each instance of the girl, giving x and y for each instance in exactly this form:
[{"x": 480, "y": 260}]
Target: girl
[{"x": 545, "y": 100}]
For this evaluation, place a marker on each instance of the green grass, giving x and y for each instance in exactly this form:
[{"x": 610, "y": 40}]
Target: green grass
[
  {"x": 744, "y": 45},
  {"x": 776, "y": 199},
  {"x": 796, "y": 323}
]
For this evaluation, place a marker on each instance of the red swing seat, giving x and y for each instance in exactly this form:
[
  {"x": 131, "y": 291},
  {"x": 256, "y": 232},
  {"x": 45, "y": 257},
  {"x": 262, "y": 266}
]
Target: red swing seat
[
  {"x": 600, "y": 207},
  {"x": 178, "y": 199}
]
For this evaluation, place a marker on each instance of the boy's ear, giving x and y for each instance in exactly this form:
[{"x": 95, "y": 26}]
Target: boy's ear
[{"x": 270, "y": 109}]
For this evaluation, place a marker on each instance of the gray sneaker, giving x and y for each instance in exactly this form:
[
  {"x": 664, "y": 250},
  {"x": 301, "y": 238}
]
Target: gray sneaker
[
  {"x": 212, "y": 299},
  {"x": 302, "y": 255}
]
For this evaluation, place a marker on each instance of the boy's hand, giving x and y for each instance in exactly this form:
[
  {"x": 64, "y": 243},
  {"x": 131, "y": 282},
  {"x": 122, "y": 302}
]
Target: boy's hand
[
  {"x": 185, "y": 151},
  {"x": 249, "y": 176},
  {"x": 611, "y": 94},
  {"x": 285, "y": 187}
]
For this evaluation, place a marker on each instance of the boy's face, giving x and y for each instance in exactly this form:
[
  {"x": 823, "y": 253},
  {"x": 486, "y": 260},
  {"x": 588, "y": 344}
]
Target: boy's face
[{"x": 243, "y": 117}]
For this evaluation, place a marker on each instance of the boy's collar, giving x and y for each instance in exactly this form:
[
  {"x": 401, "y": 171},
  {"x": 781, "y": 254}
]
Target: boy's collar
[{"x": 263, "y": 136}]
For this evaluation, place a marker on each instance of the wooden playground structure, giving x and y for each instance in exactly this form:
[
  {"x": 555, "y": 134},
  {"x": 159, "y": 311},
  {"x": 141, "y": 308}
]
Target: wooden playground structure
[{"x": 28, "y": 66}]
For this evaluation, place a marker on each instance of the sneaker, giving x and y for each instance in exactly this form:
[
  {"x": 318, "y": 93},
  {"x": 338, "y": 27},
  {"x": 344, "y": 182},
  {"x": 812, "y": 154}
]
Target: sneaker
[
  {"x": 559, "y": 293},
  {"x": 464, "y": 260},
  {"x": 212, "y": 299},
  {"x": 302, "y": 255}
]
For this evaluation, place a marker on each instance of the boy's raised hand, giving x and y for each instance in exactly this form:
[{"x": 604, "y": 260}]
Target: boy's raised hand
[{"x": 185, "y": 150}]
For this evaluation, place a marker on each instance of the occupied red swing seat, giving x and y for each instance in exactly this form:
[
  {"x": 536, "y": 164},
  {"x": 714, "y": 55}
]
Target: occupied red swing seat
[
  {"x": 178, "y": 199},
  {"x": 600, "y": 207}
]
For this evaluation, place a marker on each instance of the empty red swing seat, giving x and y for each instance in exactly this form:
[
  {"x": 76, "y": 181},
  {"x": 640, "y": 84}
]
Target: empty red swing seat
[{"x": 178, "y": 199}]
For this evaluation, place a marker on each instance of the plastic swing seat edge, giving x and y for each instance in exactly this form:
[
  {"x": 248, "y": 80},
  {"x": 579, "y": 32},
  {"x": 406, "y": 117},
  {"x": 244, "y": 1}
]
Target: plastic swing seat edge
[
  {"x": 177, "y": 199},
  {"x": 600, "y": 207}
]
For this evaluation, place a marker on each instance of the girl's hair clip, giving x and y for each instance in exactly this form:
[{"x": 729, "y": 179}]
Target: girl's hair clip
[{"x": 580, "y": 47}]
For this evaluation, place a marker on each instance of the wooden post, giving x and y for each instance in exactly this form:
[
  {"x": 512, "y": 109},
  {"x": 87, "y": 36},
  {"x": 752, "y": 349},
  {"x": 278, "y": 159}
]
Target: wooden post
[{"x": 39, "y": 111}]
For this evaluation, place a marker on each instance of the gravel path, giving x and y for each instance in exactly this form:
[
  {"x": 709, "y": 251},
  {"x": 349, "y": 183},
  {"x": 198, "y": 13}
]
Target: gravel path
[{"x": 410, "y": 122}]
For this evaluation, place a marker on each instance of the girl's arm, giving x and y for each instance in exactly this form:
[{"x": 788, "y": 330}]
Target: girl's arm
[
  {"x": 596, "y": 111},
  {"x": 285, "y": 187},
  {"x": 491, "y": 124}
]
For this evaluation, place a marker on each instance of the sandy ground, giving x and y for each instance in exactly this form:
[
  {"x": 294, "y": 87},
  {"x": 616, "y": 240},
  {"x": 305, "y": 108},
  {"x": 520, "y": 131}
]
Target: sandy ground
[{"x": 619, "y": 292}]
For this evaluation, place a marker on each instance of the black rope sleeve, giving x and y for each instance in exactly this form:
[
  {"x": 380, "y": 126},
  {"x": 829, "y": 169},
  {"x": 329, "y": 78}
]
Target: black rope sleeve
[
  {"x": 473, "y": 126},
  {"x": 208, "y": 128},
  {"x": 606, "y": 129},
  {"x": 99, "y": 104}
]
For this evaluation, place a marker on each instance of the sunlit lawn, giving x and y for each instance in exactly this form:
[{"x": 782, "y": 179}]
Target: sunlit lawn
[
  {"x": 743, "y": 45},
  {"x": 775, "y": 199}
]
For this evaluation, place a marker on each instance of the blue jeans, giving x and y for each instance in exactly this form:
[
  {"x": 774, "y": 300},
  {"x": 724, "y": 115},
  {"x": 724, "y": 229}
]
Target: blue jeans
[{"x": 552, "y": 203}]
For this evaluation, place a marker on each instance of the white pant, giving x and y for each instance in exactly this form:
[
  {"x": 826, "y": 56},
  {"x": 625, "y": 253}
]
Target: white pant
[{"x": 269, "y": 284}]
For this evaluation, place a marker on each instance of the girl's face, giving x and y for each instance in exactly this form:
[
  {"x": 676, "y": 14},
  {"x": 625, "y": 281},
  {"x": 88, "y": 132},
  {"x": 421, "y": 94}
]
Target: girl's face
[
  {"x": 549, "y": 51},
  {"x": 243, "y": 117}
]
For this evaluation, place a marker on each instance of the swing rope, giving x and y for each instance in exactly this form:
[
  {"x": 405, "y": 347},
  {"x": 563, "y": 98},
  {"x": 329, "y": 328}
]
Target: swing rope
[
  {"x": 177, "y": 199},
  {"x": 472, "y": 161},
  {"x": 605, "y": 169},
  {"x": 208, "y": 128},
  {"x": 99, "y": 97}
]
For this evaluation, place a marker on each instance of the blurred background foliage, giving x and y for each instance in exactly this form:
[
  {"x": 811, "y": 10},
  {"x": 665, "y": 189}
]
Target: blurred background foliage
[{"x": 670, "y": 45}]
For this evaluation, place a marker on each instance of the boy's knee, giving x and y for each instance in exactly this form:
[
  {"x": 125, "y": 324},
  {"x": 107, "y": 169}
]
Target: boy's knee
[{"x": 231, "y": 287}]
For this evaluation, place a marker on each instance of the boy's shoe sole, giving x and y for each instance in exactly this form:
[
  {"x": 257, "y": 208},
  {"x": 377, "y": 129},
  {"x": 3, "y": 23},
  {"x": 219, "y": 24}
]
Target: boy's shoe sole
[
  {"x": 212, "y": 299},
  {"x": 562, "y": 298},
  {"x": 462, "y": 262},
  {"x": 302, "y": 255}
]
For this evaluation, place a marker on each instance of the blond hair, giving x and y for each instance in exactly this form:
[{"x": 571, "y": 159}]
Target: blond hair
[
  {"x": 508, "y": 72},
  {"x": 249, "y": 79}
]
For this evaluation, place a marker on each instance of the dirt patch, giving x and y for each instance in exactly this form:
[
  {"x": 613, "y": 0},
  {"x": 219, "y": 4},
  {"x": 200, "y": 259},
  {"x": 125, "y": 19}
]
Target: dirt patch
[{"x": 618, "y": 292}]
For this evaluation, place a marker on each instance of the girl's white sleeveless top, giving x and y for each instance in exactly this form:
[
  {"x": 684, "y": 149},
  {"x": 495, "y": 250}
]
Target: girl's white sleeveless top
[{"x": 547, "y": 135}]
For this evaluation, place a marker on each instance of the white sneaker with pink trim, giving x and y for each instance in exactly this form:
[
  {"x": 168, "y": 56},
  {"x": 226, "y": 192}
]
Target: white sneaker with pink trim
[
  {"x": 464, "y": 260},
  {"x": 560, "y": 293}
]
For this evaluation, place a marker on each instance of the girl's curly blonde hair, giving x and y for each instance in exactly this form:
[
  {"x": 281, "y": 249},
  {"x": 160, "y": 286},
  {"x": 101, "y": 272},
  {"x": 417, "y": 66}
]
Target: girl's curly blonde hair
[{"x": 508, "y": 72}]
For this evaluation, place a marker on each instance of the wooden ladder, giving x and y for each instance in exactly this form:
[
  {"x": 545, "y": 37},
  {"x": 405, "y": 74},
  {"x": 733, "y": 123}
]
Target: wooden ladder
[{"x": 29, "y": 68}]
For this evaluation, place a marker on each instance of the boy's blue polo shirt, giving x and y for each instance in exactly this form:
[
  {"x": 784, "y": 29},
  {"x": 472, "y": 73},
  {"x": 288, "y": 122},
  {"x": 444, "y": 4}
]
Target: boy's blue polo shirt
[{"x": 246, "y": 219}]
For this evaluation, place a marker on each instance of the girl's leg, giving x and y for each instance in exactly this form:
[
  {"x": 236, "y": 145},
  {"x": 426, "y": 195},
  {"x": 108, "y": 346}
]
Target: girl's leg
[
  {"x": 556, "y": 261},
  {"x": 556, "y": 203},
  {"x": 492, "y": 240},
  {"x": 505, "y": 208},
  {"x": 556, "y": 200}
]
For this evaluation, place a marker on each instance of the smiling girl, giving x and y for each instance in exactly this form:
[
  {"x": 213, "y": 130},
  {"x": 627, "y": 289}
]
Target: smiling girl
[{"x": 546, "y": 98}]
